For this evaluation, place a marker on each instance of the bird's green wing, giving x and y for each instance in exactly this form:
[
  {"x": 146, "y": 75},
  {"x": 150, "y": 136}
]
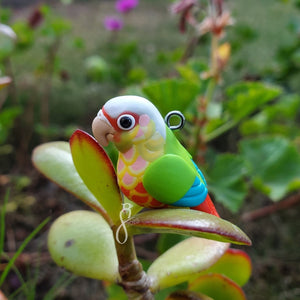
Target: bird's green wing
[{"x": 168, "y": 178}]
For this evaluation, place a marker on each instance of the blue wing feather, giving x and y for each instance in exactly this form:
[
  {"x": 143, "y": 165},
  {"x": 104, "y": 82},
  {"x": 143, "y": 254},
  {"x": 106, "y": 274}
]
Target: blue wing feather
[{"x": 196, "y": 194}]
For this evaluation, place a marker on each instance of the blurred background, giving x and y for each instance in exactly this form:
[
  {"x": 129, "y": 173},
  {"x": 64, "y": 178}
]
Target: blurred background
[{"x": 60, "y": 61}]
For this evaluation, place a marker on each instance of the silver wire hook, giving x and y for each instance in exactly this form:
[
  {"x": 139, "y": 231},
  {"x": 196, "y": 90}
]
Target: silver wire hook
[
  {"x": 176, "y": 113},
  {"x": 126, "y": 210}
]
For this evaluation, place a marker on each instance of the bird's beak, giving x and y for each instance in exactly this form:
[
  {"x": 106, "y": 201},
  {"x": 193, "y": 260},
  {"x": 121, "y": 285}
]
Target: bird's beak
[{"x": 102, "y": 130}]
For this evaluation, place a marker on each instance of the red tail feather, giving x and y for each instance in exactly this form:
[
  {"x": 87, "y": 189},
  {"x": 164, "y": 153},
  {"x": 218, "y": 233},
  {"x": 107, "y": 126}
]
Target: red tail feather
[{"x": 207, "y": 206}]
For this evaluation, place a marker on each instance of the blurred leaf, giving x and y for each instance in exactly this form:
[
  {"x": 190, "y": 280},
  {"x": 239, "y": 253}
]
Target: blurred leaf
[
  {"x": 279, "y": 118},
  {"x": 54, "y": 160},
  {"x": 136, "y": 75},
  {"x": 275, "y": 164},
  {"x": 217, "y": 287},
  {"x": 115, "y": 292},
  {"x": 167, "y": 240},
  {"x": 226, "y": 180},
  {"x": 60, "y": 26},
  {"x": 285, "y": 109},
  {"x": 79, "y": 43},
  {"x": 96, "y": 67},
  {"x": 82, "y": 242},
  {"x": 24, "y": 33},
  {"x": 97, "y": 171},
  {"x": 7, "y": 118},
  {"x": 5, "y": 14},
  {"x": 164, "y": 57},
  {"x": 184, "y": 260},
  {"x": 7, "y": 46},
  {"x": 163, "y": 294},
  {"x": 187, "y": 73},
  {"x": 127, "y": 53},
  {"x": 234, "y": 264},
  {"x": 187, "y": 222},
  {"x": 246, "y": 97},
  {"x": 214, "y": 124},
  {"x": 187, "y": 295},
  {"x": 171, "y": 94}
]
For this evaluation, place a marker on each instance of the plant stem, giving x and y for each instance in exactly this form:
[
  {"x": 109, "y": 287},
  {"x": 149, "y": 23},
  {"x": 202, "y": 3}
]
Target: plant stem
[
  {"x": 220, "y": 130},
  {"x": 190, "y": 49},
  {"x": 270, "y": 209},
  {"x": 49, "y": 71},
  {"x": 201, "y": 118},
  {"x": 134, "y": 280}
]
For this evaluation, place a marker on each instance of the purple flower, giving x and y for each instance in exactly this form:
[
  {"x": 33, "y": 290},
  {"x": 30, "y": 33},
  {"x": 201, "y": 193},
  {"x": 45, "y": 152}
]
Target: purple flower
[
  {"x": 125, "y": 6},
  {"x": 113, "y": 23}
]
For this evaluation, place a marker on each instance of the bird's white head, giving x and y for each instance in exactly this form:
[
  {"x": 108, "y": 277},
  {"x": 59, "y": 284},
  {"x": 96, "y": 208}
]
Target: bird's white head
[{"x": 125, "y": 120}]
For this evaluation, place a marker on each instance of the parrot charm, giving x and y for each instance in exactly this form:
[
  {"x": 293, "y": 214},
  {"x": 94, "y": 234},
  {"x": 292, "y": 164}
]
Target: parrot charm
[{"x": 154, "y": 170}]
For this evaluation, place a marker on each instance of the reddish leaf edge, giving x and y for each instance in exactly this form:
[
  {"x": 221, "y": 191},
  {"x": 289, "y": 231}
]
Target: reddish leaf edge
[
  {"x": 225, "y": 279},
  {"x": 239, "y": 252},
  {"x": 82, "y": 136},
  {"x": 137, "y": 226}
]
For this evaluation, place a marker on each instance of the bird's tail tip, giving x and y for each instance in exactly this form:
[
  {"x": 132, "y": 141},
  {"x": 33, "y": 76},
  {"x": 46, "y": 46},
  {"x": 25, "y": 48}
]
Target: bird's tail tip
[{"x": 207, "y": 206}]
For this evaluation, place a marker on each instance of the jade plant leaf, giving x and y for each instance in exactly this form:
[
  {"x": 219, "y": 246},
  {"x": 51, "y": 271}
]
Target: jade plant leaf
[
  {"x": 171, "y": 94},
  {"x": 97, "y": 172},
  {"x": 54, "y": 160},
  {"x": 184, "y": 260},
  {"x": 217, "y": 287},
  {"x": 274, "y": 163},
  {"x": 82, "y": 242},
  {"x": 226, "y": 180},
  {"x": 234, "y": 264},
  {"x": 187, "y": 222},
  {"x": 187, "y": 295}
]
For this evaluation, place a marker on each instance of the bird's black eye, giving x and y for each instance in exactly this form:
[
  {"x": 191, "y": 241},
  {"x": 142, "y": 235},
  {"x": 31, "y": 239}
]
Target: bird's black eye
[{"x": 126, "y": 122}]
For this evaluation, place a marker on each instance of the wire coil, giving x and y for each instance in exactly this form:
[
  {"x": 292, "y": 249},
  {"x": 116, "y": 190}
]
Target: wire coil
[{"x": 175, "y": 113}]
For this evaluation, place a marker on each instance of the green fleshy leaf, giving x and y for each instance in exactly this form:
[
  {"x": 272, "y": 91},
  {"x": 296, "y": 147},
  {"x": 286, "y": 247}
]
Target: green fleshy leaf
[
  {"x": 135, "y": 208},
  {"x": 83, "y": 243},
  {"x": 187, "y": 295},
  {"x": 246, "y": 97},
  {"x": 187, "y": 222},
  {"x": 54, "y": 160},
  {"x": 115, "y": 292},
  {"x": 171, "y": 94},
  {"x": 226, "y": 180},
  {"x": 163, "y": 294},
  {"x": 184, "y": 260},
  {"x": 97, "y": 172},
  {"x": 217, "y": 287},
  {"x": 234, "y": 264},
  {"x": 166, "y": 241},
  {"x": 275, "y": 164}
]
